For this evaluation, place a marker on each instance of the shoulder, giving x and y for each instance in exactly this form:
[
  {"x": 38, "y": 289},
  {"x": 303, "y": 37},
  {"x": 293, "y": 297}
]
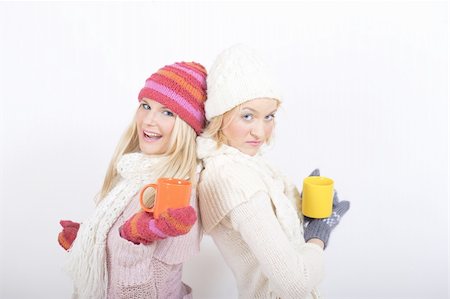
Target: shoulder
[
  {"x": 222, "y": 188},
  {"x": 230, "y": 176}
]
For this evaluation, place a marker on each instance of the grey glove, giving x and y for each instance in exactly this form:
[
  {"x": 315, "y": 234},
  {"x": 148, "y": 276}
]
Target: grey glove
[{"x": 321, "y": 228}]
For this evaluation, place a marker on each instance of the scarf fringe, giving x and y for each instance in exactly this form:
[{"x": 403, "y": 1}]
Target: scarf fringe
[
  {"x": 87, "y": 264},
  {"x": 89, "y": 279},
  {"x": 87, "y": 259}
]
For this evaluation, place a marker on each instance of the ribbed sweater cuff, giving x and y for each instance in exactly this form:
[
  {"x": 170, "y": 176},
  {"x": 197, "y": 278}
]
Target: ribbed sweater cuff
[{"x": 318, "y": 229}]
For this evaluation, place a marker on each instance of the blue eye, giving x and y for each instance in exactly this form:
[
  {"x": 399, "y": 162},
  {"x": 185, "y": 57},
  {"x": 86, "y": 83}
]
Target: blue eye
[
  {"x": 270, "y": 117},
  {"x": 168, "y": 113},
  {"x": 146, "y": 106},
  {"x": 247, "y": 116}
]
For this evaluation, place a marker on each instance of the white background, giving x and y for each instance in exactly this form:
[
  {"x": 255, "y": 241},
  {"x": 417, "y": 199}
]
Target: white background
[{"x": 365, "y": 88}]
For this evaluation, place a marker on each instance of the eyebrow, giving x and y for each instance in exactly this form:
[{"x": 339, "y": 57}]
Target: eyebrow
[
  {"x": 248, "y": 108},
  {"x": 162, "y": 107},
  {"x": 253, "y": 110}
]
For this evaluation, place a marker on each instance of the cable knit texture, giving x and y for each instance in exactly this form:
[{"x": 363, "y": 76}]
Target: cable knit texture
[
  {"x": 238, "y": 74},
  {"x": 251, "y": 211},
  {"x": 104, "y": 265}
]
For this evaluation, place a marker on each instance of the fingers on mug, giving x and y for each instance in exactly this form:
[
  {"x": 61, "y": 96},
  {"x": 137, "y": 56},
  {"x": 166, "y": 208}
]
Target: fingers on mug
[{"x": 169, "y": 193}]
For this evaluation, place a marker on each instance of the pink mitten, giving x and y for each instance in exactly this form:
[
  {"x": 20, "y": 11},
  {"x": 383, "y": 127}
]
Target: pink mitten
[
  {"x": 68, "y": 234},
  {"x": 143, "y": 228}
]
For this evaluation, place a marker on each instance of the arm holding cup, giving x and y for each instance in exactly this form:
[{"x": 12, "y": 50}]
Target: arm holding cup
[
  {"x": 170, "y": 215},
  {"x": 317, "y": 230},
  {"x": 143, "y": 228},
  {"x": 321, "y": 228}
]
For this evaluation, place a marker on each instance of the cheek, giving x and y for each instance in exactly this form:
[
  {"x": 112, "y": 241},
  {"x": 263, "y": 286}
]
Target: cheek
[
  {"x": 168, "y": 125},
  {"x": 235, "y": 131},
  {"x": 269, "y": 130},
  {"x": 139, "y": 117}
]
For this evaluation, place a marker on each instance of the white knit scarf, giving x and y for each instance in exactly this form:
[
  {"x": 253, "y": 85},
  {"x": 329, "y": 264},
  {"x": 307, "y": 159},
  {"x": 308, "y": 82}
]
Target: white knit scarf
[
  {"x": 87, "y": 258},
  {"x": 273, "y": 180}
]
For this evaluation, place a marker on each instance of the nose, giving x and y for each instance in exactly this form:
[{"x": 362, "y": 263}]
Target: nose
[
  {"x": 257, "y": 130},
  {"x": 150, "y": 118}
]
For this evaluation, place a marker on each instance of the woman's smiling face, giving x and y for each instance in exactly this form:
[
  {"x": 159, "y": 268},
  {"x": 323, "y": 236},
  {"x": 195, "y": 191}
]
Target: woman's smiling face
[{"x": 155, "y": 124}]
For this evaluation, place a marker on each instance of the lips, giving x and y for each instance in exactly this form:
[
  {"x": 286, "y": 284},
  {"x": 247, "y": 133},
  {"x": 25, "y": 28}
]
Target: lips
[
  {"x": 254, "y": 143},
  {"x": 151, "y": 136}
]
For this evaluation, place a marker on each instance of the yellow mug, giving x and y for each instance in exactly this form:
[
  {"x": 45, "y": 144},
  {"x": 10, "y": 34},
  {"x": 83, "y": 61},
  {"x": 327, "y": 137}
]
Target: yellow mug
[
  {"x": 170, "y": 193},
  {"x": 317, "y": 199}
]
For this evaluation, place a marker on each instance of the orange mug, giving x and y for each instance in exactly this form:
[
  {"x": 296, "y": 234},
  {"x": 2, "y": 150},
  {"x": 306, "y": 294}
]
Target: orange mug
[{"x": 170, "y": 193}]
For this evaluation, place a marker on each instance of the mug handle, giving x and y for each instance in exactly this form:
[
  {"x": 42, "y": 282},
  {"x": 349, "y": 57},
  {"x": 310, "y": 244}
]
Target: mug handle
[{"x": 141, "y": 197}]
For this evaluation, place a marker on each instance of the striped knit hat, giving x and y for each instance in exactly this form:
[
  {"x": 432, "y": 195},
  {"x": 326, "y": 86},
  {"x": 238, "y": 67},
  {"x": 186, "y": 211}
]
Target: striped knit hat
[{"x": 181, "y": 87}]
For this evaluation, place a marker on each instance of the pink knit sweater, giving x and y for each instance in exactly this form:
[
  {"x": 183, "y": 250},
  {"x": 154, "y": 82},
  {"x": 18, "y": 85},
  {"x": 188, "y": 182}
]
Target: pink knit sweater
[{"x": 149, "y": 271}]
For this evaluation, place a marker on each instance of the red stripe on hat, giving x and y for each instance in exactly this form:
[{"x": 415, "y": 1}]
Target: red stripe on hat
[
  {"x": 198, "y": 94},
  {"x": 177, "y": 88},
  {"x": 193, "y": 72},
  {"x": 187, "y": 76},
  {"x": 197, "y": 66}
]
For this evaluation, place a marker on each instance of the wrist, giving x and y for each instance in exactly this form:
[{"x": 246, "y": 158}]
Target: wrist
[
  {"x": 318, "y": 229},
  {"x": 317, "y": 242}
]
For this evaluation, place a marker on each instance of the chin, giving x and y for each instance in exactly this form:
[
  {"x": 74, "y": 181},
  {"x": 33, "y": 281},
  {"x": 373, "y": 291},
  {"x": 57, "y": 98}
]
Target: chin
[
  {"x": 249, "y": 152},
  {"x": 150, "y": 150}
]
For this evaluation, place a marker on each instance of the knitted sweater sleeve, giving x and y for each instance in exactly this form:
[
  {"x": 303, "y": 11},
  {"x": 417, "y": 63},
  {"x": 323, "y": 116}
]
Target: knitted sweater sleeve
[{"x": 291, "y": 273}]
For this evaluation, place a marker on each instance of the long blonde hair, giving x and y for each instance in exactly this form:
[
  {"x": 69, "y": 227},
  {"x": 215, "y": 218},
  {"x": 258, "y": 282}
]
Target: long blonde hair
[{"x": 181, "y": 156}]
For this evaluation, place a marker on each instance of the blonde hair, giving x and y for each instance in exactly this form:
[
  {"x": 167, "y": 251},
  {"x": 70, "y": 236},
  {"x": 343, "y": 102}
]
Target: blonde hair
[
  {"x": 216, "y": 125},
  {"x": 214, "y": 129},
  {"x": 181, "y": 156}
]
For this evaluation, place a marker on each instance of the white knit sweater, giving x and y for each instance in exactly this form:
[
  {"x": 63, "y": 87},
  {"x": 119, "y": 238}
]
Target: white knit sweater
[{"x": 250, "y": 211}]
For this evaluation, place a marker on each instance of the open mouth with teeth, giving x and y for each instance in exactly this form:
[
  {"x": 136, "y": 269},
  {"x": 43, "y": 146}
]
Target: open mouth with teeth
[{"x": 151, "y": 136}]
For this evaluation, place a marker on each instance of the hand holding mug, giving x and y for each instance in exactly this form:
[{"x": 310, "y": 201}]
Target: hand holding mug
[
  {"x": 321, "y": 228},
  {"x": 142, "y": 228},
  {"x": 170, "y": 193},
  {"x": 170, "y": 216}
]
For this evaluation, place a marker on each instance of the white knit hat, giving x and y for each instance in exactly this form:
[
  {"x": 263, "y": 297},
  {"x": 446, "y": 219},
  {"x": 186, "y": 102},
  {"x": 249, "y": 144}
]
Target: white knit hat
[{"x": 237, "y": 75}]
